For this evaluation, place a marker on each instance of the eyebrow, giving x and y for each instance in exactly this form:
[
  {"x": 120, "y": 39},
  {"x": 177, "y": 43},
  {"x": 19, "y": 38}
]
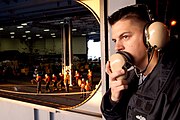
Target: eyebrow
[{"x": 121, "y": 35}]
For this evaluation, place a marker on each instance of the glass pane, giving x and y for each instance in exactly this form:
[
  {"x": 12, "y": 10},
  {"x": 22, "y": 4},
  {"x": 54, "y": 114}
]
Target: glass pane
[{"x": 31, "y": 49}]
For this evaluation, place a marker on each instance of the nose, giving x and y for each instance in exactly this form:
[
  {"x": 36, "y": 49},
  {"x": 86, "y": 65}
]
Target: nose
[{"x": 119, "y": 46}]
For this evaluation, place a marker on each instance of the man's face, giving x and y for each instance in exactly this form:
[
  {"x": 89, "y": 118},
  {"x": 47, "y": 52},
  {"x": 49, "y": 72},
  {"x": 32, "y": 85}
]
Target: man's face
[{"x": 128, "y": 36}]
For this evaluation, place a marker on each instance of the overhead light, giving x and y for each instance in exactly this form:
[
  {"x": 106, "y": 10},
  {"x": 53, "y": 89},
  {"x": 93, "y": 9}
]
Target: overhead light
[
  {"x": 52, "y": 33},
  {"x": 173, "y": 22},
  {"x": 12, "y": 33},
  {"x": 74, "y": 29},
  {"x": 54, "y": 36},
  {"x": 46, "y": 30},
  {"x": 40, "y": 37},
  {"x": 91, "y": 33},
  {"x": 1, "y": 28},
  {"x": 24, "y": 24},
  {"x": 83, "y": 34},
  {"x": 19, "y": 26},
  {"x": 27, "y": 31},
  {"x": 37, "y": 35},
  {"x": 24, "y": 36},
  {"x": 29, "y": 38},
  {"x": 12, "y": 36}
]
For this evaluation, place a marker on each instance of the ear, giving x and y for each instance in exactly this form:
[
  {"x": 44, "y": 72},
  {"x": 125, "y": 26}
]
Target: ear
[{"x": 156, "y": 35}]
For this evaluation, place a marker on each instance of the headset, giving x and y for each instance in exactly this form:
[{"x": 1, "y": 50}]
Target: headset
[
  {"x": 121, "y": 60},
  {"x": 156, "y": 34}
]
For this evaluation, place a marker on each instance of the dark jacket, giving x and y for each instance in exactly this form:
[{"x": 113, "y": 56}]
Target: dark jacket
[{"x": 157, "y": 98}]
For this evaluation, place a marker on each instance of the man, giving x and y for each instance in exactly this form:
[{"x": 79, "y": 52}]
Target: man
[
  {"x": 151, "y": 90},
  {"x": 47, "y": 80},
  {"x": 67, "y": 81},
  {"x": 83, "y": 90},
  {"x": 61, "y": 81},
  {"x": 89, "y": 76},
  {"x": 55, "y": 81},
  {"x": 77, "y": 76},
  {"x": 38, "y": 80}
]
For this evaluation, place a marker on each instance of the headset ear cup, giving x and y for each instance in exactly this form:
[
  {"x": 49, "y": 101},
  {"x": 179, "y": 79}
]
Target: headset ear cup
[
  {"x": 128, "y": 57},
  {"x": 157, "y": 35},
  {"x": 146, "y": 35},
  {"x": 121, "y": 60}
]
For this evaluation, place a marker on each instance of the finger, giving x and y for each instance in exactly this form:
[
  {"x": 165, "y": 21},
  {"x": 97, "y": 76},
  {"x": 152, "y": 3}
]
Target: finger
[
  {"x": 118, "y": 83},
  {"x": 108, "y": 70},
  {"x": 116, "y": 92},
  {"x": 115, "y": 75}
]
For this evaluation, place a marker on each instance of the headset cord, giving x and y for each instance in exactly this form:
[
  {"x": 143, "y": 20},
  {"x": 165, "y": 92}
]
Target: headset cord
[{"x": 150, "y": 56}]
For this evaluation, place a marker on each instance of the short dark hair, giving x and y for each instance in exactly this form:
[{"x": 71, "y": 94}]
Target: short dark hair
[{"x": 139, "y": 11}]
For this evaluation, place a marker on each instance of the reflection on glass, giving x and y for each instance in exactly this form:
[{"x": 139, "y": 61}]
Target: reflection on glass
[{"x": 31, "y": 63}]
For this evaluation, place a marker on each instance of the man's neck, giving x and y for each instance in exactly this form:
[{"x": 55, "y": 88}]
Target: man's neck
[{"x": 152, "y": 63}]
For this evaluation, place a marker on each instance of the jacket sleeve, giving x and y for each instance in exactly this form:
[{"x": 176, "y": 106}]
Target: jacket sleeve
[{"x": 112, "y": 110}]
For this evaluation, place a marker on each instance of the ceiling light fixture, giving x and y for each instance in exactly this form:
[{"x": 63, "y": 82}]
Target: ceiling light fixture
[
  {"x": 24, "y": 24},
  {"x": 24, "y": 36},
  {"x": 52, "y": 33},
  {"x": 83, "y": 34},
  {"x": 27, "y": 31},
  {"x": 46, "y": 30},
  {"x": 74, "y": 29},
  {"x": 19, "y": 26},
  {"x": 91, "y": 33},
  {"x": 12, "y": 33},
  {"x": 12, "y": 36}
]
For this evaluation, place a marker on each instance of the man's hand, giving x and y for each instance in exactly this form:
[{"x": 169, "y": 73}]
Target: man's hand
[{"x": 117, "y": 86}]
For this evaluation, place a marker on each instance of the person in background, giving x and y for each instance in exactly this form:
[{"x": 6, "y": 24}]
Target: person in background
[
  {"x": 34, "y": 76},
  {"x": 47, "y": 80},
  {"x": 77, "y": 76},
  {"x": 38, "y": 81},
  {"x": 89, "y": 76},
  {"x": 150, "y": 91},
  {"x": 82, "y": 88},
  {"x": 88, "y": 86},
  {"x": 55, "y": 81},
  {"x": 67, "y": 81},
  {"x": 61, "y": 81}
]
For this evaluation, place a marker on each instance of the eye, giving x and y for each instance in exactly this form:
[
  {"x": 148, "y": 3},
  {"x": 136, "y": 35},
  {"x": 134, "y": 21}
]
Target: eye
[
  {"x": 124, "y": 37},
  {"x": 114, "y": 40}
]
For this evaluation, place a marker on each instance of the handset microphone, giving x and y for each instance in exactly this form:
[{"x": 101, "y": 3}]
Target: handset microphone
[{"x": 121, "y": 60}]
